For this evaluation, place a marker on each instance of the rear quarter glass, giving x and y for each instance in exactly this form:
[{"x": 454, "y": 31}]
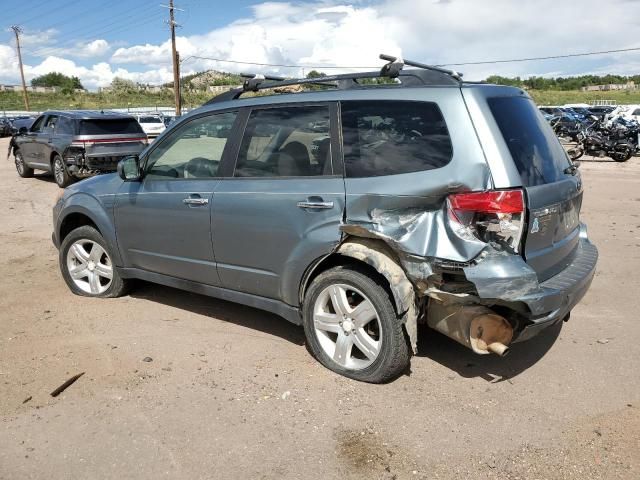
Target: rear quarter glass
[{"x": 534, "y": 148}]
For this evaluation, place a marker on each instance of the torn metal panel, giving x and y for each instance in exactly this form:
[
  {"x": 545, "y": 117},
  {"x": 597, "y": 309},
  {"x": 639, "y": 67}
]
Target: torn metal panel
[
  {"x": 507, "y": 277},
  {"x": 380, "y": 257}
]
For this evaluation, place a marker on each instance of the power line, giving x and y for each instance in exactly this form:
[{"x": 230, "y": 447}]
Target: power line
[
  {"x": 551, "y": 57},
  {"x": 484, "y": 62}
]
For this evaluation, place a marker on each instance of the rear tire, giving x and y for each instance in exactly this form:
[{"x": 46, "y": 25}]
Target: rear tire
[
  {"x": 87, "y": 267},
  {"x": 23, "y": 170},
  {"x": 60, "y": 173},
  {"x": 352, "y": 327}
]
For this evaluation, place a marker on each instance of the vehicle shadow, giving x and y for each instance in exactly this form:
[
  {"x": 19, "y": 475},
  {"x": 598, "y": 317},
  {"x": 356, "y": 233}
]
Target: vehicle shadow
[
  {"x": 46, "y": 177},
  {"x": 494, "y": 369},
  {"x": 238, "y": 314}
]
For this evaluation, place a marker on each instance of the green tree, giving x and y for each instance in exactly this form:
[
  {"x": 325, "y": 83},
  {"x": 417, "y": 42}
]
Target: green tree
[
  {"x": 56, "y": 79},
  {"x": 122, "y": 85}
]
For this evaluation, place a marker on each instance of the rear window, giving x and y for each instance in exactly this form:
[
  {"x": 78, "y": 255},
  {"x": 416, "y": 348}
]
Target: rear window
[
  {"x": 393, "y": 137},
  {"x": 109, "y": 126},
  {"x": 535, "y": 150}
]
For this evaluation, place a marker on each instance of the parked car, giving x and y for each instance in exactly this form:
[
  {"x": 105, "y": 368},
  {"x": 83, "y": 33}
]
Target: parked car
[
  {"x": 354, "y": 211},
  {"x": 151, "y": 124},
  {"x": 5, "y": 127},
  {"x": 16, "y": 123},
  {"x": 76, "y": 144}
]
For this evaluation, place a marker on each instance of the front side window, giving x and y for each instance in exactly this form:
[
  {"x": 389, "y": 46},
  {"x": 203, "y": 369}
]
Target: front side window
[
  {"x": 194, "y": 150},
  {"x": 393, "y": 137},
  {"x": 64, "y": 126},
  {"x": 286, "y": 142},
  {"x": 50, "y": 124},
  {"x": 38, "y": 124}
]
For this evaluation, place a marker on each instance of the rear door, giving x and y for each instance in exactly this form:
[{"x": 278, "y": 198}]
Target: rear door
[
  {"x": 281, "y": 207},
  {"x": 163, "y": 223},
  {"x": 554, "y": 194}
]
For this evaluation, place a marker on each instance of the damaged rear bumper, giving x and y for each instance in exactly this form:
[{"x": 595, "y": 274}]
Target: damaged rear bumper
[{"x": 510, "y": 282}]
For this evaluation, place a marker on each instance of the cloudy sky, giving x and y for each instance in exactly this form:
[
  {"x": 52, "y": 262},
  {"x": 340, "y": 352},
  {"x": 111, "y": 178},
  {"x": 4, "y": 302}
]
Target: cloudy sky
[{"x": 97, "y": 39}]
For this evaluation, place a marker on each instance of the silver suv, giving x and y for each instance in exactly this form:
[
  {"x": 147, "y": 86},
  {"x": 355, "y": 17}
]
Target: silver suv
[{"x": 356, "y": 210}]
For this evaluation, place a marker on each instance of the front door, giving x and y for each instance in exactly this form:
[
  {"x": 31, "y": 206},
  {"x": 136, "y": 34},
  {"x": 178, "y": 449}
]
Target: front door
[
  {"x": 282, "y": 207},
  {"x": 28, "y": 143},
  {"x": 163, "y": 223}
]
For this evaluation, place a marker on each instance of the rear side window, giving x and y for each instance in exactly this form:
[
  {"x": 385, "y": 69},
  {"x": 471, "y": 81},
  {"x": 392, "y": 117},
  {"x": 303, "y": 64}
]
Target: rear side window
[
  {"x": 535, "y": 150},
  {"x": 393, "y": 137},
  {"x": 286, "y": 142},
  {"x": 110, "y": 126}
]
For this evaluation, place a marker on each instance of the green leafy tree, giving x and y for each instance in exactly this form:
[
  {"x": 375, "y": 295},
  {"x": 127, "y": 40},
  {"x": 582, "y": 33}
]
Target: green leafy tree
[
  {"x": 56, "y": 79},
  {"x": 122, "y": 85}
]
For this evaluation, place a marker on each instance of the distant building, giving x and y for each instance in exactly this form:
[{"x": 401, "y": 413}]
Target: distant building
[
  {"x": 30, "y": 88},
  {"x": 610, "y": 87},
  {"x": 221, "y": 88}
]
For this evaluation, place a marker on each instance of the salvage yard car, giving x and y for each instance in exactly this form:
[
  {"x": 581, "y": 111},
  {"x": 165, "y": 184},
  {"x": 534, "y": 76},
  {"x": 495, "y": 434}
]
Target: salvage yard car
[
  {"x": 76, "y": 144},
  {"x": 356, "y": 211},
  {"x": 152, "y": 125}
]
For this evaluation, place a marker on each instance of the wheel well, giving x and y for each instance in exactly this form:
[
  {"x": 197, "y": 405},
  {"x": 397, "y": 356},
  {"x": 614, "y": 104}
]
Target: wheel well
[
  {"x": 73, "y": 221},
  {"x": 338, "y": 260},
  {"x": 53, "y": 155}
]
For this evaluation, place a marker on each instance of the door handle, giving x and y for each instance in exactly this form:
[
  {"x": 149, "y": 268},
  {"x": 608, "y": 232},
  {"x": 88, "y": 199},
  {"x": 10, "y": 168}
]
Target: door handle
[
  {"x": 315, "y": 205},
  {"x": 195, "y": 201}
]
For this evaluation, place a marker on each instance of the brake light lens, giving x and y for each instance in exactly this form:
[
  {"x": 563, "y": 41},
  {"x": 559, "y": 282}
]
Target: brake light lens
[{"x": 495, "y": 217}]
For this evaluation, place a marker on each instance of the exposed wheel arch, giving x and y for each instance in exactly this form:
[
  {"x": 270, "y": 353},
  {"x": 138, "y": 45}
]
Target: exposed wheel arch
[
  {"x": 375, "y": 257},
  {"x": 73, "y": 221}
]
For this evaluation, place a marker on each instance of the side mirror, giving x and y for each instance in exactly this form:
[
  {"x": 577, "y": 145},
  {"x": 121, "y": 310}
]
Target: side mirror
[
  {"x": 23, "y": 131},
  {"x": 129, "y": 169}
]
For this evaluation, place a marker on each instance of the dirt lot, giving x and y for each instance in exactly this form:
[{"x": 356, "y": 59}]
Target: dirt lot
[{"x": 231, "y": 392}]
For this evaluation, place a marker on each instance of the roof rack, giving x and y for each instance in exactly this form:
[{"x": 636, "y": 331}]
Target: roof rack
[{"x": 423, "y": 75}]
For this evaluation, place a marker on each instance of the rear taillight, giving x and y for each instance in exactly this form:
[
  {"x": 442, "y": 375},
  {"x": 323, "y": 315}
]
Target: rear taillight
[{"x": 495, "y": 217}]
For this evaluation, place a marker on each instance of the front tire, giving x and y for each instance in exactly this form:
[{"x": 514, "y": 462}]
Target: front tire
[
  {"x": 23, "y": 170},
  {"x": 60, "y": 173},
  {"x": 352, "y": 327},
  {"x": 87, "y": 267}
]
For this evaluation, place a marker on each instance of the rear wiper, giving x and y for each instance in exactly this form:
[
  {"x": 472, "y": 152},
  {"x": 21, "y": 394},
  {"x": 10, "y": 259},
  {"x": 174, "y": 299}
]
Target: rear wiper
[{"x": 572, "y": 169}]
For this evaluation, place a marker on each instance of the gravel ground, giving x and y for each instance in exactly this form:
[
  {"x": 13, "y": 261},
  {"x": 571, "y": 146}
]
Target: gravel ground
[{"x": 231, "y": 392}]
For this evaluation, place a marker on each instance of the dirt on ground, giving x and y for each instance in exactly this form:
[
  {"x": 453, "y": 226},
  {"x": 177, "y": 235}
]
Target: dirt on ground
[{"x": 178, "y": 385}]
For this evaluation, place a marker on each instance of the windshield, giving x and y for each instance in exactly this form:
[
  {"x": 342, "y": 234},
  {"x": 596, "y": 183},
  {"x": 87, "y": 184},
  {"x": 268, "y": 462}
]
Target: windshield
[
  {"x": 535, "y": 150},
  {"x": 150, "y": 120}
]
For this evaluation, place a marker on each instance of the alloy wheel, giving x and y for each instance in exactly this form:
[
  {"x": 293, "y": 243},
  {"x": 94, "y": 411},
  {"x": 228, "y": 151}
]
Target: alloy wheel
[
  {"x": 89, "y": 266},
  {"x": 347, "y": 326},
  {"x": 58, "y": 171},
  {"x": 19, "y": 164}
]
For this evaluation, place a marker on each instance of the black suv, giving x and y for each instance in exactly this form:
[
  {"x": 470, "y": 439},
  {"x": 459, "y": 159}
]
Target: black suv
[{"x": 76, "y": 144}]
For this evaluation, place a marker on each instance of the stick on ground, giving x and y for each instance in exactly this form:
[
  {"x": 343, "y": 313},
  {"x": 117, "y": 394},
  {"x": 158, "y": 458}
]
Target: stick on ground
[{"x": 66, "y": 385}]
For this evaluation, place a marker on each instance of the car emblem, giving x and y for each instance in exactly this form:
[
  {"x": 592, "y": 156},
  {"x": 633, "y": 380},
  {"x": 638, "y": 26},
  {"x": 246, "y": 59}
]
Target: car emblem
[{"x": 535, "y": 227}]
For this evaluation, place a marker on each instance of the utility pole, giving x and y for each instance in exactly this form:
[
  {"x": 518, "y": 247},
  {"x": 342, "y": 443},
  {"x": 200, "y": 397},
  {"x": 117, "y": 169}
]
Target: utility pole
[
  {"x": 17, "y": 30},
  {"x": 174, "y": 57}
]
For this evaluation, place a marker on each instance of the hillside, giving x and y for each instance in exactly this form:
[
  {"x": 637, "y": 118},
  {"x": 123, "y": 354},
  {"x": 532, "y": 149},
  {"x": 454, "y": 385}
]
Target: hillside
[{"x": 191, "y": 99}]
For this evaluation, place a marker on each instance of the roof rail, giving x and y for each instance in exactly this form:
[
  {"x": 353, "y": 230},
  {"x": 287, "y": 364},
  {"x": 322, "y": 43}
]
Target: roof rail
[{"x": 423, "y": 75}]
